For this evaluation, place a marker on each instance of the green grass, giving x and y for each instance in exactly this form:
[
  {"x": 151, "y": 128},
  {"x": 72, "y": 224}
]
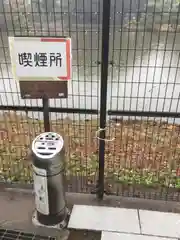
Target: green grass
[{"x": 143, "y": 152}]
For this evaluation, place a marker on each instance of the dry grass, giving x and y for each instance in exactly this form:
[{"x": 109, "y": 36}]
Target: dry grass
[{"x": 143, "y": 152}]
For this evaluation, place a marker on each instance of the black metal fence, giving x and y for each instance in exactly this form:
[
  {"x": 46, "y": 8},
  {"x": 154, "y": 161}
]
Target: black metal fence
[{"x": 121, "y": 121}]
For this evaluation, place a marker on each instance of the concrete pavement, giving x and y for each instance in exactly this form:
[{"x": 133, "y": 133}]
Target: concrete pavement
[{"x": 121, "y": 223}]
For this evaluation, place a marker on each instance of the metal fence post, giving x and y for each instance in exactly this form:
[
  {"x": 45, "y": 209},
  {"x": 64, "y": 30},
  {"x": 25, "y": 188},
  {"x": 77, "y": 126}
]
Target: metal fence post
[{"x": 104, "y": 78}]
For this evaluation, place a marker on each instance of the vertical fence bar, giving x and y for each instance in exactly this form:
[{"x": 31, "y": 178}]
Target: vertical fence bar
[{"x": 104, "y": 78}]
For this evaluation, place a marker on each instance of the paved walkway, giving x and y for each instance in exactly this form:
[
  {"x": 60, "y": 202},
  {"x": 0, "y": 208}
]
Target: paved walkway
[
  {"x": 121, "y": 223},
  {"x": 115, "y": 222}
]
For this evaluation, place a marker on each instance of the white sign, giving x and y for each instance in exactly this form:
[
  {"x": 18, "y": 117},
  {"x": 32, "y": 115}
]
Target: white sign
[{"x": 40, "y": 58}]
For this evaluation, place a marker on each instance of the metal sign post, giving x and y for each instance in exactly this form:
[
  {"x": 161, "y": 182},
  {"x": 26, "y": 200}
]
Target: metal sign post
[
  {"x": 43, "y": 67},
  {"x": 46, "y": 114}
]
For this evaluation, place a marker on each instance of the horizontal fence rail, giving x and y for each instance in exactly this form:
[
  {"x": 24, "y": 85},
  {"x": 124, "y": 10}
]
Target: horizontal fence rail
[{"x": 51, "y": 109}]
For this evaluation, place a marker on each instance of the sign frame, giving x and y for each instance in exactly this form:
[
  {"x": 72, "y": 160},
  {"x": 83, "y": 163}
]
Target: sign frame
[
  {"x": 42, "y": 39},
  {"x": 32, "y": 87}
]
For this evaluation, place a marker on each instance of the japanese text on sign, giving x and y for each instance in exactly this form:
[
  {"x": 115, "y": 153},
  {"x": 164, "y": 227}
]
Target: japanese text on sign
[{"x": 40, "y": 59}]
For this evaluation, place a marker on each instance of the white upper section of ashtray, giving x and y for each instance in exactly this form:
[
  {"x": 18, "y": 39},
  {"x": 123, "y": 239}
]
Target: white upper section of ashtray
[{"x": 47, "y": 145}]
